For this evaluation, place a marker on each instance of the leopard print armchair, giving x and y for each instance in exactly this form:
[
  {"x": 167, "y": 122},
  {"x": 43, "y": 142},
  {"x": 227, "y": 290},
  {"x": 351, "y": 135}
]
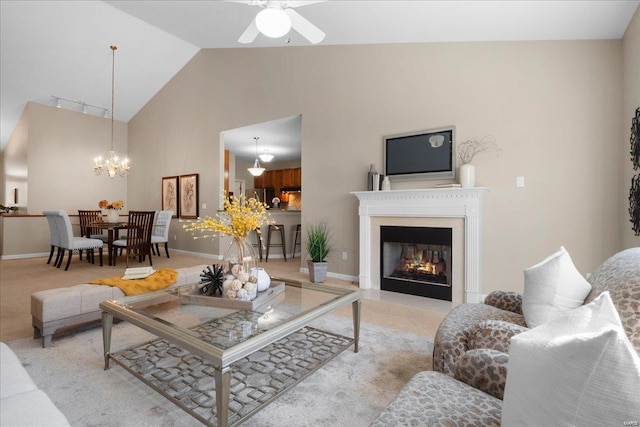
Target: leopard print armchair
[
  {"x": 492, "y": 324},
  {"x": 470, "y": 355}
]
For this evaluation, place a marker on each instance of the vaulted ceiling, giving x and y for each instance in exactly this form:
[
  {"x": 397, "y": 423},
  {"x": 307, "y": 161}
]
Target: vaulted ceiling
[{"x": 61, "y": 48}]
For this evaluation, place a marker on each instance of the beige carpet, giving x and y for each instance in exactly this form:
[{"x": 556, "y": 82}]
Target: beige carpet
[
  {"x": 20, "y": 278},
  {"x": 350, "y": 390}
]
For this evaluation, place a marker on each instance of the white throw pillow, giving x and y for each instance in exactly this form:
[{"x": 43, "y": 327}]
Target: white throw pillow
[
  {"x": 577, "y": 370},
  {"x": 551, "y": 288}
]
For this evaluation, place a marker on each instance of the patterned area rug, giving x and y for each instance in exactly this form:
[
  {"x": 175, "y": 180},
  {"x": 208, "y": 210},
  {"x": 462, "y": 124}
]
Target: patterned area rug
[
  {"x": 188, "y": 381},
  {"x": 350, "y": 389}
]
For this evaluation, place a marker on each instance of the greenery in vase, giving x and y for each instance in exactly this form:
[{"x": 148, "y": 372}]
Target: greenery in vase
[
  {"x": 318, "y": 241},
  {"x": 468, "y": 149}
]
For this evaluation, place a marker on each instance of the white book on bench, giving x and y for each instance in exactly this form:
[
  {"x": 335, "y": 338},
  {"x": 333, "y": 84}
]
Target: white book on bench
[{"x": 138, "y": 273}]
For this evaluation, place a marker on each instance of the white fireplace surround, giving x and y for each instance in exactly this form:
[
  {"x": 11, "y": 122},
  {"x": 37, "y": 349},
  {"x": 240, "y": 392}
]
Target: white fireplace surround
[{"x": 460, "y": 207}]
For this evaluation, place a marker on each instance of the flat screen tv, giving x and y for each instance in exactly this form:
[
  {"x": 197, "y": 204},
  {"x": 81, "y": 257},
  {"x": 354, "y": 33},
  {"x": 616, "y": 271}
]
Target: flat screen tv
[{"x": 428, "y": 154}]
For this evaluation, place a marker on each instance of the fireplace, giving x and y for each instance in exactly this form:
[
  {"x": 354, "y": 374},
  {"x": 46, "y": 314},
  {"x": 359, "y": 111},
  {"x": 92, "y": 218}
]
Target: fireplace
[
  {"x": 457, "y": 208},
  {"x": 416, "y": 261}
]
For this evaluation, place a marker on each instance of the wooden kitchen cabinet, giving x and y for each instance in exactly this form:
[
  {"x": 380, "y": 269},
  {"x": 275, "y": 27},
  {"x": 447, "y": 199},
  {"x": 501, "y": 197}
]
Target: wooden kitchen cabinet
[{"x": 279, "y": 178}]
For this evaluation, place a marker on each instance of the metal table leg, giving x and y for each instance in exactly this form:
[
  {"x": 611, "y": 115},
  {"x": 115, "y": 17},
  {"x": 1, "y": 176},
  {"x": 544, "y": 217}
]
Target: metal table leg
[
  {"x": 355, "y": 308},
  {"x": 107, "y": 323},
  {"x": 223, "y": 388}
]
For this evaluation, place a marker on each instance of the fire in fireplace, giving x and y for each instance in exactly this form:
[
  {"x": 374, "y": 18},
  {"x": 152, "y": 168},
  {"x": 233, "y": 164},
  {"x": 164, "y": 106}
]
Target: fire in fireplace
[{"x": 416, "y": 261}]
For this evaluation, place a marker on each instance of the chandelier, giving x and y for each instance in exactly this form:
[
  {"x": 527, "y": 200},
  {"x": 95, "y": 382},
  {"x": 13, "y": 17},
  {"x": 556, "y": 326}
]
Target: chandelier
[
  {"x": 256, "y": 170},
  {"x": 112, "y": 165}
]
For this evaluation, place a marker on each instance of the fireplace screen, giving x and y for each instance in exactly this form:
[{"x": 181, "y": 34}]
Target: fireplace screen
[{"x": 416, "y": 260}]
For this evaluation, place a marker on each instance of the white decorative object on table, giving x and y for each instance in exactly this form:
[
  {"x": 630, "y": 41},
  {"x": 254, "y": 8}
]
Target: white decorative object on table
[
  {"x": 113, "y": 215},
  {"x": 264, "y": 281},
  {"x": 239, "y": 217},
  {"x": 111, "y": 209}
]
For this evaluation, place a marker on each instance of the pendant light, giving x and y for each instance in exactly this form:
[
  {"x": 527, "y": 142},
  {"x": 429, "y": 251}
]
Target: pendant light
[
  {"x": 112, "y": 165},
  {"x": 266, "y": 157},
  {"x": 256, "y": 170}
]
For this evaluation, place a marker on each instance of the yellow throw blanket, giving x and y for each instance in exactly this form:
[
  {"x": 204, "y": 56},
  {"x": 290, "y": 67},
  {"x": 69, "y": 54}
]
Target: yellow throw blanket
[{"x": 162, "y": 278}]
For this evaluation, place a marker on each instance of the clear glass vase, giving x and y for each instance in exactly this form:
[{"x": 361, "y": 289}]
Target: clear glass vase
[{"x": 239, "y": 261}]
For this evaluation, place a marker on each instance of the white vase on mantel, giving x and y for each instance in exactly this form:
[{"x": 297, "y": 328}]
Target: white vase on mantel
[
  {"x": 467, "y": 174},
  {"x": 113, "y": 216}
]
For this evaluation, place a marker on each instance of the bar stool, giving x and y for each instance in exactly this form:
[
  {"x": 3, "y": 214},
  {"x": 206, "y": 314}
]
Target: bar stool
[
  {"x": 280, "y": 228},
  {"x": 297, "y": 240},
  {"x": 258, "y": 242}
]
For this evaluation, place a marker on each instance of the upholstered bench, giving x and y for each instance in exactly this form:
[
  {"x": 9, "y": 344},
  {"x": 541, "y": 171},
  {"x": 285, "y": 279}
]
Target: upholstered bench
[{"x": 55, "y": 309}]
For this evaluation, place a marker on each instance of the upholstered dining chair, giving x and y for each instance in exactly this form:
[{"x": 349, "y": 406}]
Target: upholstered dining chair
[
  {"x": 68, "y": 242},
  {"x": 161, "y": 231},
  {"x": 138, "y": 240},
  {"x": 55, "y": 236},
  {"x": 88, "y": 217}
]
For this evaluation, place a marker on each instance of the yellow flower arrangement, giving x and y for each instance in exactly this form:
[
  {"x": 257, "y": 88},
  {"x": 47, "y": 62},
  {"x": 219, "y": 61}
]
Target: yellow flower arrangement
[
  {"x": 240, "y": 216},
  {"x": 118, "y": 204}
]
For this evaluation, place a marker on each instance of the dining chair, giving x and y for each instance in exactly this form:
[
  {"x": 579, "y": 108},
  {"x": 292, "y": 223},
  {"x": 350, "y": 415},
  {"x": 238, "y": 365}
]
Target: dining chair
[
  {"x": 138, "y": 240},
  {"x": 71, "y": 243},
  {"x": 161, "y": 231},
  {"x": 88, "y": 217},
  {"x": 55, "y": 236}
]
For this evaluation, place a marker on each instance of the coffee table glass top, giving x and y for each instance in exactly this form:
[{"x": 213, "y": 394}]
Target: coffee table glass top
[
  {"x": 225, "y": 328},
  {"x": 222, "y": 336}
]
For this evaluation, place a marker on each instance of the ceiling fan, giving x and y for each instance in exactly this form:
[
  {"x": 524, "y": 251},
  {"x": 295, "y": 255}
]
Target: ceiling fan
[{"x": 276, "y": 19}]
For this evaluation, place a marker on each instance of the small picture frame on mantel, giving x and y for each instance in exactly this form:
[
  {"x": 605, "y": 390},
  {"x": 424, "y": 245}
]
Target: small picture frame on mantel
[
  {"x": 170, "y": 194},
  {"x": 188, "y": 196}
]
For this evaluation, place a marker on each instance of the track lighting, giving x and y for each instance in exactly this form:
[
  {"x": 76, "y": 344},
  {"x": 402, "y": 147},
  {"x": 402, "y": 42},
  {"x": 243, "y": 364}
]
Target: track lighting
[{"x": 84, "y": 105}]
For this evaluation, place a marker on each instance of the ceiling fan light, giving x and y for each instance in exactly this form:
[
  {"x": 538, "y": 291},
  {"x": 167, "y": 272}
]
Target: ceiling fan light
[{"x": 273, "y": 22}]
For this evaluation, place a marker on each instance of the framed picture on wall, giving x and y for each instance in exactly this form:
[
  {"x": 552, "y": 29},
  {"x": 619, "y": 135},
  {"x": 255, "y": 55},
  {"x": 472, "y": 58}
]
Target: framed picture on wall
[
  {"x": 170, "y": 194},
  {"x": 188, "y": 196}
]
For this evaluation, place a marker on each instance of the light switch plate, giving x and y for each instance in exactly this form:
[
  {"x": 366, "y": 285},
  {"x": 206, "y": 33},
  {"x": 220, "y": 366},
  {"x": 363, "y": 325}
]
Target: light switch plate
[{"x": 520, "y": 181}]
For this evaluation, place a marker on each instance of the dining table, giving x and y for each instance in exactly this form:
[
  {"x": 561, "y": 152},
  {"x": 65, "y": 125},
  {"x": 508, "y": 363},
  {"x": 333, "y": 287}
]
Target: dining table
[{"x": 113, "y": 230}]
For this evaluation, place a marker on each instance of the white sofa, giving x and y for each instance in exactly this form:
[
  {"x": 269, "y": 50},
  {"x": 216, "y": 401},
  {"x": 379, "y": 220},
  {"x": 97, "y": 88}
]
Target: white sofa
[
  {"x": 22, "y": 403},
  {"x": 60, "y": 308}
]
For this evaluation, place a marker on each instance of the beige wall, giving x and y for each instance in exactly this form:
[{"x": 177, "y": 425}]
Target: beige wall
[
  {"x": 554, "y": 107},
  {"x": 631, "y": 101},
  {"x": 49, "y": 158},
  {"x": 14, "y": 164},
  {"x": 56, "y": 149}
]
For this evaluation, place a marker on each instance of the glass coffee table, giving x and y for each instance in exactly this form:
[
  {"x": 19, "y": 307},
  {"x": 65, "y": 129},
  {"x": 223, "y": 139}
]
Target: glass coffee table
[{"x": 222, "y": 365}]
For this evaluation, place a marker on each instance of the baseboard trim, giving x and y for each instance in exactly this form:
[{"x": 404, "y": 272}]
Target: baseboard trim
[
  {"x": 23, "y": 256},
  {"x": 339, "y": 276}
]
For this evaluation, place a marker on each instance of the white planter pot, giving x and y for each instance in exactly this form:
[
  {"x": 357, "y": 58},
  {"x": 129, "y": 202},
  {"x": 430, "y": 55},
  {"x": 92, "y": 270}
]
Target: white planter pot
[
  {"x": 467, "y": 175},
  {"x": 113, "y": 216}
]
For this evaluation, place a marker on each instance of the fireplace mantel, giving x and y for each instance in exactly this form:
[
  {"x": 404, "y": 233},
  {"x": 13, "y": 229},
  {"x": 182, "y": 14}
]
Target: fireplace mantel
[{"x": 443, "y": 203}]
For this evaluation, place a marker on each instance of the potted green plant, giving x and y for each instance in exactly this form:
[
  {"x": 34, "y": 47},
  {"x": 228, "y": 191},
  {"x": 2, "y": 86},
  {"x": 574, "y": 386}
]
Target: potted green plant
[{"x": 318, "y": 248}]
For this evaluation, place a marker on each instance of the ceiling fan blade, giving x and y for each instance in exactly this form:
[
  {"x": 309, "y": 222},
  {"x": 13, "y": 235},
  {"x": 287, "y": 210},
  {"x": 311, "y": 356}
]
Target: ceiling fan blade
[
  {"x": 249, "y": 34},
  {"x": 298, "y": 3},
  {"x": 304, "y": 27}
]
